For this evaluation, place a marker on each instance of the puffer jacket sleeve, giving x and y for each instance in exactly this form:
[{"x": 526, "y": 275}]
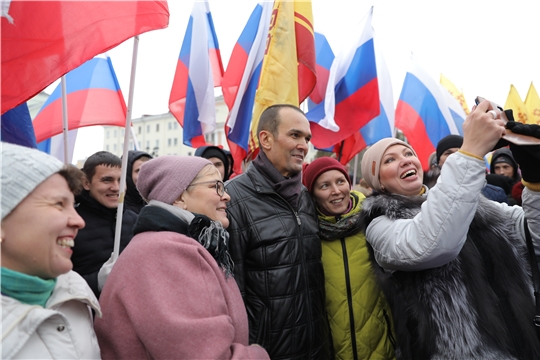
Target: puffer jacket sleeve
[{"x": 437, "y": 233}]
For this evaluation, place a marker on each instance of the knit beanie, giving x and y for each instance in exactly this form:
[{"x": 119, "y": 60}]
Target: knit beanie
[
  {"x": 371, "y": 162},
  {"x": 317, "y": 167},
  {"x": 165, "y": 178},
  {"x": 208, "y": 152},
  {"x": 23, "y": 169},
  {"x": 448, "y": 142}
]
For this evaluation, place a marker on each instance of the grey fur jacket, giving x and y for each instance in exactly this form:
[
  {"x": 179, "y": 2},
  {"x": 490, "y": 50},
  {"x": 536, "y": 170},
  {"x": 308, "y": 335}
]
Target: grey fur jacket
[{"x": 458, "y": 288}]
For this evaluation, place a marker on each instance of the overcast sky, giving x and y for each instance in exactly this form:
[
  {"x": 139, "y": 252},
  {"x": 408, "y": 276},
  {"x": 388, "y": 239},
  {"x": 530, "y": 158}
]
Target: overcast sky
[{"x": 482, "y": 46}]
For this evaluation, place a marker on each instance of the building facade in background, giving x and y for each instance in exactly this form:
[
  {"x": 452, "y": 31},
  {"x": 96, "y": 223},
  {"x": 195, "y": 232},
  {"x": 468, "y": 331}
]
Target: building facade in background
[{"x": 162, "y": 134}]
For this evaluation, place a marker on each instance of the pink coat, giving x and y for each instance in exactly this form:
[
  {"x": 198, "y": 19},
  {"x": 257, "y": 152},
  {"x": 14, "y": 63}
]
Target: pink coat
[{"x": 167, "y": 298}]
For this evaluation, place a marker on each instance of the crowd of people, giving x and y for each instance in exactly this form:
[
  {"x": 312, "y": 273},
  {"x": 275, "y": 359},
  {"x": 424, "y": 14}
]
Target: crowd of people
[{"x": 286, "y": 260}]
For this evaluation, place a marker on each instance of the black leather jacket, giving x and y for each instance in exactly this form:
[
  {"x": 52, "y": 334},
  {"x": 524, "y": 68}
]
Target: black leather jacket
[{"x": 277, "y": 255}]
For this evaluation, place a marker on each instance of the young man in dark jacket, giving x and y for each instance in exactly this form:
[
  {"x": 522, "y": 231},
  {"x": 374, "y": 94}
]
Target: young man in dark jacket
[
  {"x": 274, "y": 242},
  {"x": 97, "y": 205}
]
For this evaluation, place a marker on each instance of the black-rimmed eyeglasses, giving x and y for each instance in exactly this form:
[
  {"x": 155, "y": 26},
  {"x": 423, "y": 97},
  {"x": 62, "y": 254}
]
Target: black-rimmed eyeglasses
[{"x": 220, "y": 187}]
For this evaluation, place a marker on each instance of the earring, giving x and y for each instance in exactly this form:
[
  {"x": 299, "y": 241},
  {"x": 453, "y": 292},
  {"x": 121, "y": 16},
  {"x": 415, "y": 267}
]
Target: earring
[{"x": 382, "y": 188}]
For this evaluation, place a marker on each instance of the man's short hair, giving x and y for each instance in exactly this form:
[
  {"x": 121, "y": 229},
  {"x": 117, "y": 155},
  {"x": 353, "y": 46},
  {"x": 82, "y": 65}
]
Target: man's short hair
[
  {"x": 270, "y": 118},
  {"x": 100, "y": 158}
]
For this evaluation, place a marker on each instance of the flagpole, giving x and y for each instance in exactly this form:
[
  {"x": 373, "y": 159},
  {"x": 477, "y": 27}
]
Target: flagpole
[
  {"x": 355, "y": 169},
  {"x": 65, "y": 119},
  {"x": 134, "y": 137},
  {"x": 120, "y": 210}
]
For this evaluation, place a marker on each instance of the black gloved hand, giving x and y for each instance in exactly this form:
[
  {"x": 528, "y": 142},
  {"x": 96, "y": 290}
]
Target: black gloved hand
[{"x": 527, "y": 156}]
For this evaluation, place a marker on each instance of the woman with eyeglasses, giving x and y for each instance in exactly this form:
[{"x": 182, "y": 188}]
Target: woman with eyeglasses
[{"x": 171, "y": 294}]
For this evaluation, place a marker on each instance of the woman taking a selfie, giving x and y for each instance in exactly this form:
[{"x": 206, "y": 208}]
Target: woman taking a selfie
[{"x": 452, "y": 264}]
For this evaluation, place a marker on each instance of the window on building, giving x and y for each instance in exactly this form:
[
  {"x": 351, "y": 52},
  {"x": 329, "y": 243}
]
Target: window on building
[
  {"x": 147, "y": 129},
  {"x": 175, "y": 125},
  {"x": 147, "y": 145},
  {"x": 140, "y": 130},
  {"x": 169, "y": 142},
  {"x": 114, "y": 147},
  {"x": 115, "y": 133},
  {"x": 157, "y": 127},
  {"x": 157, "y": 143},
  {"x": 170, "y": 125},
  {"x": 108, "y": 133},
  {"x": 107, "y": 148},
  {"x": 175, "y": 141}
]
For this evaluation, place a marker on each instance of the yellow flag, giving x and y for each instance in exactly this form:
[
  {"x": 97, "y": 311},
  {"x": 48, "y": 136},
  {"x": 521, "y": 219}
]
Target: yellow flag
[
  {"x": 455, "y": 93},
  {"x": 532, "y": 103},
  {"x": 279, "y": 81},
  {"x": 515, "y": 103}
]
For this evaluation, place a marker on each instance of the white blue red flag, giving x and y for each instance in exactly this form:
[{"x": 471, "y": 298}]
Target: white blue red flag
[
  {"x": 43, "y": 40},
  {"x": 198, "y": 71},
  {"x": 381, "y": 126},
  {"x": 324, "y": 57},
  {"x": 93, "y": 98},
  {"x": 423, "y": 112},
  {"x": 241, "y": 80},
  {"x": 352, "y": 95}
]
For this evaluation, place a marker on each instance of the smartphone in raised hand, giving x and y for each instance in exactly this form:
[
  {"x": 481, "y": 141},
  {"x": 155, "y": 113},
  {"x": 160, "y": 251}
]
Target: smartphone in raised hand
[{"x": 517, "y": 139}]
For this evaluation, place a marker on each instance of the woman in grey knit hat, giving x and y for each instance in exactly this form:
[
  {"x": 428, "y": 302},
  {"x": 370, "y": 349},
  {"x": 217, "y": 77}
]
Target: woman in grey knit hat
[
  {"x": 452, "y": 264},
  {"x": 45, "y": 306}
]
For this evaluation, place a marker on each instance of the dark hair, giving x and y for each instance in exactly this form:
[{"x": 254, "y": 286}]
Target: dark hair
[
  {"x": 100, "y": 158},
  {"x": 270, "y": 118},
  {"x": 74, "y": 178}
]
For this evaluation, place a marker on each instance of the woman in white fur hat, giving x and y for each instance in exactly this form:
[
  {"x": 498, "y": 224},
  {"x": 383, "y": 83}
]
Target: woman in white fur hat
[{"x": 46, "y": 307}]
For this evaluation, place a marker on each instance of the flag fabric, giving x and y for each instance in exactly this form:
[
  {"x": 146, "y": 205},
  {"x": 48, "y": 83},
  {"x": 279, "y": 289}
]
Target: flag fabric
[
  {"x": 46, "y": 39},
  {"x": 288, "y": 69},
  {"x": 55, "y": 146},
  {"x": 532, "y": 103},
  {"x": 93, "y": 98},
  {"x": 241, "y": 79},
  {"x": 324, "y": 57},
  {"x": 381, "y": 126},
  {"x": 17, "y": 127},
  {"x": 423, "y": 112},
  {"x": 352, "y": 92},
  {"x": 198, "y": 71},
  {"x": 514, "y": 102},
  {"x": 448, "y": 85},
  {"x": 456, "y": 109}
]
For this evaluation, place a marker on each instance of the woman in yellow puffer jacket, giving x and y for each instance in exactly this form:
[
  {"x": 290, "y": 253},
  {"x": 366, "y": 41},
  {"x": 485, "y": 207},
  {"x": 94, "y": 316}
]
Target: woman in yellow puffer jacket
[{"x": 359, "y": 316}]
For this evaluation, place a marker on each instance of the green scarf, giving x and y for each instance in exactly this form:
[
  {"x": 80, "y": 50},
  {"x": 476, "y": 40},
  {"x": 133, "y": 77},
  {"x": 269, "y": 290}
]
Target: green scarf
[
  {"x": 347, "y": 225},
  {"x": 27, "y": 289}
]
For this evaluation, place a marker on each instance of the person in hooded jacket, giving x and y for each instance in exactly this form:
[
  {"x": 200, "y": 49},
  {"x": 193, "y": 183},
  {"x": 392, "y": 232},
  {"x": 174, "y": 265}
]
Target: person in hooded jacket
[
  {"x": 46, "y": 307},
  {"x": 133, "y": 200},
  {"x": 218, "y": 157},
  {"x": 503, "y": 163}
]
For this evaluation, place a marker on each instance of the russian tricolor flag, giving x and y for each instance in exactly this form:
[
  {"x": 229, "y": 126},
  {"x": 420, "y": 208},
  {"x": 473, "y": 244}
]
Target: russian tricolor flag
[
  {"x": 324, "y": 57},
  {"x": 380, "y": 127},
  {"x": 198, "y": 71},
  {"x": 352, "y": 94},
  {"x": 93, "y": 98},
  {"x": 241, "y": 80},
  {"x": 423, "y": 112}
]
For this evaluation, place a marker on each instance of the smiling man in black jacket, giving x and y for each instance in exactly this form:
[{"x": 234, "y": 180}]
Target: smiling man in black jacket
[
  {"x": 274, "y": 242},
  {"x": 97, "y": 205}
]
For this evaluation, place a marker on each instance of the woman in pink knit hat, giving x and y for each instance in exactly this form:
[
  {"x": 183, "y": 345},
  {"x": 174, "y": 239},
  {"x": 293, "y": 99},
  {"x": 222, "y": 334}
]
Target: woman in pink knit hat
[
  {"x": 452, "y": 264},
  {"x": 171, "y": 294}
]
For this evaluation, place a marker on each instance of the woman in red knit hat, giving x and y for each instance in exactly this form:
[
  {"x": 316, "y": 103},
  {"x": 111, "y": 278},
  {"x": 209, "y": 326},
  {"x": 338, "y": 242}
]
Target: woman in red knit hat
[{"x": 358, "y": 313}]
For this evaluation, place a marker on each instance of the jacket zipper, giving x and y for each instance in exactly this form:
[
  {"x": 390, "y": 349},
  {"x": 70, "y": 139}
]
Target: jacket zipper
[{"x": 349, "y": 299}]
